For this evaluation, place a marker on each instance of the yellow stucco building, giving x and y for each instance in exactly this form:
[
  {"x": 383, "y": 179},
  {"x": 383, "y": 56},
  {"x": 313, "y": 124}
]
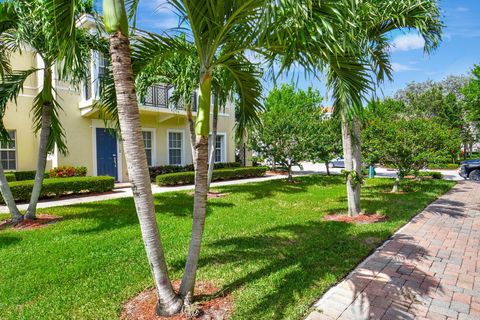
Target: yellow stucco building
[{"x": 165, "y": 130}]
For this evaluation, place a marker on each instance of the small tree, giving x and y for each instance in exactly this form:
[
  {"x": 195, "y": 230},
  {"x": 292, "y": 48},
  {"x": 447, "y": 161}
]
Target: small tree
[
  {"x": 289, "y": 127},
  {"x": 328, "y": 141},
  {"x": 408, "y": 145}
]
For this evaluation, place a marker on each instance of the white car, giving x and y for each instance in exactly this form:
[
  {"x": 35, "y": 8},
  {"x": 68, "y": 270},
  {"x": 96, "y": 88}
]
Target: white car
[{"x": 337, "y": 163}]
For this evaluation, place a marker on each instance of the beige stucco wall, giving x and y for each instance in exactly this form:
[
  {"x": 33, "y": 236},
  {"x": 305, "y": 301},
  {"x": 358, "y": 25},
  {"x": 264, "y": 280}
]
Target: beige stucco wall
[{"x": 80, "y": 130}]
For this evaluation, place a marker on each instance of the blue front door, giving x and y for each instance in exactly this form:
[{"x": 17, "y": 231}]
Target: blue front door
[{"x": 106, "y": 154}]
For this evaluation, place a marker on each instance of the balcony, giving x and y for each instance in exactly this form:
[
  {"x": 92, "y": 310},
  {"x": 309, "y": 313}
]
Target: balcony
[
  {"x": 158, "y": 96},
  {"x": 156, "y": 99}
]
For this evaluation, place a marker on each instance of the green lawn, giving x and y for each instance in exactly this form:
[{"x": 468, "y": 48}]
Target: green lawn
[{"x": 265, "y": 243}]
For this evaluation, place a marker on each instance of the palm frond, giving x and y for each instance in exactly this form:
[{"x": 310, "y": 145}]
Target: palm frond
[
  {"x": 245, "y": 77},
  {"x": 107, "y": 103},
  {"x": 11, "y": 86}
]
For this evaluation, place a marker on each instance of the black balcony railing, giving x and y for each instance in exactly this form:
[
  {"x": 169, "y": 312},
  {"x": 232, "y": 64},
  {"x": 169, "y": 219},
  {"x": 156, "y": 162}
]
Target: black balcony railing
[{"x": 158, "y": 96}]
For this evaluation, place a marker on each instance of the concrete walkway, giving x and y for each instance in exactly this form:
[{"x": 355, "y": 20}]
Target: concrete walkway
[
  {"x": 430, "y": 269},
  {"x": 123, "y": 191}
]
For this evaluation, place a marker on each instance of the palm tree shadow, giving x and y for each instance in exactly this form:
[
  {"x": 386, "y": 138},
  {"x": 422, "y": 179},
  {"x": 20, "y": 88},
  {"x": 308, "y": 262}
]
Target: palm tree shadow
[
  {"x": 303, "y": 254},
  {"x": 8, "y": 241},
  {"x": 119, "y": 213},
  {"x": 261, "y": 190}
]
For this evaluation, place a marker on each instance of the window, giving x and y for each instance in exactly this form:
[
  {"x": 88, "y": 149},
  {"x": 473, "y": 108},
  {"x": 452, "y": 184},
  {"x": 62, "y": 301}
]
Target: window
[
  {"x": 103, "y": 65},
  {"x": 219, "y": 147},
  {"x": 147, "y": 141},
  {"x": 175, "y": 143},
  {"x": 9, "y": 153}
]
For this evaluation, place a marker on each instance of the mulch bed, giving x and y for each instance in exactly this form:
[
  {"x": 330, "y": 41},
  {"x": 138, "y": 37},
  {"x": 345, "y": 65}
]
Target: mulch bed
[
  {"x": 360, "y": 219},
  {"x": 42, "y": 221},
  {"x": 142, "y": 307},
  {"x": 212, "y": 194}
]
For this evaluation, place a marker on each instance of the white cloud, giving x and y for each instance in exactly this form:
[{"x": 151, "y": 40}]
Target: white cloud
[
  {"x": 166, "y": 23},
  {"x": 462, "y": 9},
  {"x": 399, "y": 67},
  {"x": 407, "y": 42}
]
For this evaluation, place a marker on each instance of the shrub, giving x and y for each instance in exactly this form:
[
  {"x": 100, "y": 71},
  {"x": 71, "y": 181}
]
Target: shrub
[
  {"x": 57, "y": 187},
  {"x": 25, "y": 175},
  {"x": 159, "y": 170},
  {"x": 181, "y": 178},
  {"x": 10, "y": 176},
  {"x": 225, "y": 165},
  {"x": 443, "y": 166},
  {"x": 433, "y": 174},
  {"x": 67, "y": 171},
  {"x": 176, "y": 178}
]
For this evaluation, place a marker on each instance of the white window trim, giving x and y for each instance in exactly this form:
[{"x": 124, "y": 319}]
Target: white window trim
[
  {"x": 183, "y": 146},
  {"x": 16, "y": 151},
  {"x": 223, "y": 157},
  {"x": 154, "y": 144}
]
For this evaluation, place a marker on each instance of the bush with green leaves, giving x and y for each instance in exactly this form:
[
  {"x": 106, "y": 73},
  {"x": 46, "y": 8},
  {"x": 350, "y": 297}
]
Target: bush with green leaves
[
  {"x": 159, "y": 170},
  {"x": 67, "y": 171},
  {"x": 290, "y": 127},
  {"x": 432, "y": 174},
  {"x": 447, "y": 166},
  {"x": 55, "y": 187},
  {"x": 407, "y": 145},
  {"x": 182, "y": 178},
  {"x": 10, "y": 176},
  {"x": 25, "y": 175}
]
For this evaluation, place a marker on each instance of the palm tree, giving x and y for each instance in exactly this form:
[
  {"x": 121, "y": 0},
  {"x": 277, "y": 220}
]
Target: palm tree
[
  {"x": 225, "y": 88},
  {"x": 116, "y": 24},
  {"x": 375, "y": 21},
  {"x": 222, "y": 32},
  {"x": 34, "y": 28}
]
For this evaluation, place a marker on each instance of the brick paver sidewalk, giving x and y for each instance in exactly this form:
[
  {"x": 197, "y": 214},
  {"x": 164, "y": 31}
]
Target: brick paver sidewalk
[{"x": 430, "y": 269}]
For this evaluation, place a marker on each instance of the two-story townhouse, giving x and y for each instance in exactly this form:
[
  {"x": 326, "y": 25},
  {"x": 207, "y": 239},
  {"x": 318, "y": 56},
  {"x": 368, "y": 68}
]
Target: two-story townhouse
[{"x": 165, "y": 129}]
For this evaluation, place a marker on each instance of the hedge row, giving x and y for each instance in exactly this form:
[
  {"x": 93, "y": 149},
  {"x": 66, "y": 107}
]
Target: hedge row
[
  {"x": 159, "y": 170},
  {"x": 443, "y": 166},
  {"x": 10, "y": 176},
  {"x": 57, "y": 187},
  {"x": 181, "y": 178},
  {"x": 433, "y": 174}
]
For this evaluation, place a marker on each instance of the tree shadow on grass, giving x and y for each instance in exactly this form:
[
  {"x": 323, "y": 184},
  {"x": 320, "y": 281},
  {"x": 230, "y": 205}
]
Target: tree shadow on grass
[
  {"x": 401, "y": 206},
  {"x": 298, "y": 263},
  {"x": 292, "y": 260},
  {"x": 268, "y": 189},
  {"x": 8, "y": 241},
  {"x": 119, "y": 213}
]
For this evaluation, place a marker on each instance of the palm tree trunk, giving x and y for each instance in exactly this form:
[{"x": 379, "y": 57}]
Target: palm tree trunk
[
  {"x": 41, "y": 160},
  {"x": 242, "y": 152},
  {"x": 8, "y": 198},
  {"x": 193, "y": 136},
  {"x": 168, "y": 302},
  {"x": 201, "y": 188},
  {"x": 352, "y": 195},
  {"x": 213, "y": 141},
  {"x": 357, "y": 159}
]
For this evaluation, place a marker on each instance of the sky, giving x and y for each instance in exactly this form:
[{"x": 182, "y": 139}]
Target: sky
[{"x": 456, "y": 55}]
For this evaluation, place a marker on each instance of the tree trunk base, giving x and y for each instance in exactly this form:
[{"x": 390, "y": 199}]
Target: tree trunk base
[{"x": 173, "y": 309}]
